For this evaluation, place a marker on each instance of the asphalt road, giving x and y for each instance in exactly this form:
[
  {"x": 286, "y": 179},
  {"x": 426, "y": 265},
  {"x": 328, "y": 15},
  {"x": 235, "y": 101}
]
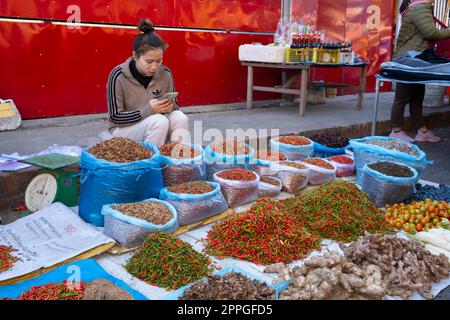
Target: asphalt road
[{"x": 439, "y": 153}]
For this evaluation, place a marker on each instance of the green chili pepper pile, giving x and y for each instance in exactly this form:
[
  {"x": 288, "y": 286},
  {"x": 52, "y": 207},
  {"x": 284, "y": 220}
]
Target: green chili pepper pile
[
  {"x": 167, "y": 262},
  {"x": 7, "y": 260},
  {"x": 338, "y": 210},
  {"x": 263, "y": 235},
  {"x": 54, "y": 291}
]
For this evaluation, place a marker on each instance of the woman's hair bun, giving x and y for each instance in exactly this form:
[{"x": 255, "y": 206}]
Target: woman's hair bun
[{"x": 146, "y": 26}]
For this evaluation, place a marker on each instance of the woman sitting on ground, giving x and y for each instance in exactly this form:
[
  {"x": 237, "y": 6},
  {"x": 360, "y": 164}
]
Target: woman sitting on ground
[{"x": 134, "y": 88}]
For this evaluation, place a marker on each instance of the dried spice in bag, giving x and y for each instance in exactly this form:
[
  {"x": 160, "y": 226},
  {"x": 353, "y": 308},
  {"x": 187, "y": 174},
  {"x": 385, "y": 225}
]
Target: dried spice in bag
[
  {"x": 294, "y": 140},
  {"x": 345, "y": 165},
  {"x": 262, "y": 235},
  {"x": 391, "y": 169},
  {"x": 321, "y": 170},
  {"x": 233, "y": 147},
  {"x": 293, "y": 147},
  {"x": 182, "y": 163},
  {"x": 7, "y": 260},
  {"x": 167, "y": 262},
  {"x": 294, "y": 176},
  {"x": 394, "y": 144},
  {"x": 195, "y": 201},
  {"x": 153, "y": 212},
  {"x": 232, "y": 286},
  {"x": 270, "y": 155},
  {"x": 193, "y": 187},
  {"x": 178, "y": 151},
  {"x": 264, "y": 159},
  {"x": 269, "y": 186},
  {"x": 331, "y": 140},
  {"x": 120, "y": 150},
  {"x": 239, "y": 186}
]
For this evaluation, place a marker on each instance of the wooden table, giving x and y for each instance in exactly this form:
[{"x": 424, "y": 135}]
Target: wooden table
[{"x": 303, "y": 73}]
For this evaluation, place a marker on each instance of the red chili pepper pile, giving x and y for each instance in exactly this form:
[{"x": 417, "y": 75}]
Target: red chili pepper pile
[
  {"x": 7, "y": 260},
  {"x": 178, "y": 151},
  {"x": 237, "y": 175},
  {"x": 294, "y": 140},
  {"x": 168, "y": 262},
  {"x": 233, "y": 147},
  {"x": 54, "y": 291},
  {"x": 192, "y": 187},
  {"x": 341, "y": 159},
  {"x": 319, "y": 163},
  {"x": 270, "y": 155},
  {"x": 338, "y": 210},
  {"x": 263, "y": 235}
]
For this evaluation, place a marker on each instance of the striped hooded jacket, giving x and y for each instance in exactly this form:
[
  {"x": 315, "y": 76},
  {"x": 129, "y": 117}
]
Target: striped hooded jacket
[{"x": 128, "y": 100}]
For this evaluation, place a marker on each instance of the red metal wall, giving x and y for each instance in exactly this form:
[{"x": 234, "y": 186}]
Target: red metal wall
[{"x": 54, "y": 71}]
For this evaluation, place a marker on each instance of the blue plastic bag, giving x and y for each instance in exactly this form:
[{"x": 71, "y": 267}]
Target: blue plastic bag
[
  {"x": 367, "y": 153},
  {"x": 88, "y": 271},
  {"x": 103, "y": 182},
  {"x": 177, "y": 294},
  {"x": 177, "y": 171},
  {"x": 195, "y": 207},
  {"x": 322, "y": 151},
  {"x": 216, "y": 161},
  {"x": 130, "y": 231},
  {"x": 383, "y": 189},
  {"x": 293, "y": 153}
]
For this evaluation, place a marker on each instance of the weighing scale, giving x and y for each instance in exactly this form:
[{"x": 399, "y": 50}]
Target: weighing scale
[{"x": 53, "y": 183}]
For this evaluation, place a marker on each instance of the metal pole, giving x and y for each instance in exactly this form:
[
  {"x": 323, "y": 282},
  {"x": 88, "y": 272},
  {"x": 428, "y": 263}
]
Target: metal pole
[{"x": 375, "y": 110}]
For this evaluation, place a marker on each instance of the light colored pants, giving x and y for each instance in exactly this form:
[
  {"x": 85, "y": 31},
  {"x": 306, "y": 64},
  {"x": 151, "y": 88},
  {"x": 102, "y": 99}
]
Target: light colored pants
[{"x": 156, "y": 128}]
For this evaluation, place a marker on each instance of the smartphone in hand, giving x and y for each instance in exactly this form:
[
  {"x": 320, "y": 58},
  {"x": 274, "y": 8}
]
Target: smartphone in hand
[{"x": 168, "y": 96}]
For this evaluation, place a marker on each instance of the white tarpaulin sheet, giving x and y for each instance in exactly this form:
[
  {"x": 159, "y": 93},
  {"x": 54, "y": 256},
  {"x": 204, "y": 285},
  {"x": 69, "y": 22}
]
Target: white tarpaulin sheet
[{"x": 48, "y": 237}]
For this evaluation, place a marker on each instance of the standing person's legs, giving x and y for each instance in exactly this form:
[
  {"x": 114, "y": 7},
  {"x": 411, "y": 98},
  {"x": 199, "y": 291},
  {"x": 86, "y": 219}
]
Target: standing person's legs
[
  {"x": 416, "y": 111},
  {"x": 152, "y": 129},
  {"x": 416, "y": 106},
  {"x": 403, "y": 94},
  {"x": 178, "y": 127}
]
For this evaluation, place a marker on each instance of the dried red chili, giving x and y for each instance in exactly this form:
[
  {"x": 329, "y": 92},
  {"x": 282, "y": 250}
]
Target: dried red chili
[
  {"x": 319, "y": 163},
  {"x": 193, "y": 187},
  {"x": 270, "y": 155},
  {"x": 54, "y": 291},
  {"x": 294, "y": 140},
  {"x": 237, "y": 175},
  {"x": 178, "y": 151},
  {"x": 342, "y": 159},
  {"x": 270, "y": 180},
  {"x": 293, "y": 164},
  {"x": 233, "y": 147},
  {"x": 7, "y": 260}
]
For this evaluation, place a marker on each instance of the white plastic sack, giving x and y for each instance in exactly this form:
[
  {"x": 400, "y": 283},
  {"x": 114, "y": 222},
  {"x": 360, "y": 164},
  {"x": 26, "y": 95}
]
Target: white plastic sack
[
  {"x": 238, "y": 193},
  {"x": 269, "y": 190},
  {"x": 293, "y": 179},
  {"x": 130, "y": 231},
  {"x": 319, "y": 175},
  {"x": 10, "y": 118}
]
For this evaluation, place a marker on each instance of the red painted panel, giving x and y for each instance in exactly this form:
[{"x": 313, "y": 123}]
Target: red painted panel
[
  {"x": 261, "y": 15},
  {"x": 55, "y": 71}
]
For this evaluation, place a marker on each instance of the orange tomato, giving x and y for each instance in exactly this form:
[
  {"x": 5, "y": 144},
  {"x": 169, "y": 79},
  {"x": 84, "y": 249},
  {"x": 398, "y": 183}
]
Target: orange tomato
[{"x": 419, "y": 227}]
